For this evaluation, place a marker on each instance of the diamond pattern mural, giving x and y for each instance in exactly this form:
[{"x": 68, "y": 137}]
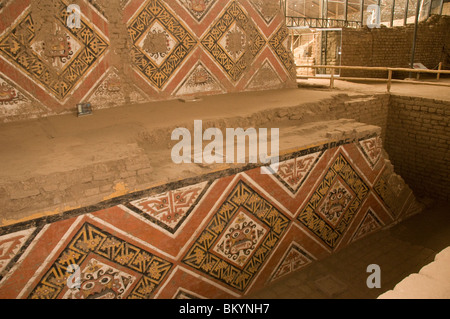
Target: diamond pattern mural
[
  {"x": 160, "y": 43},
  {"x": 222, "y": 235},
  {"x": 239, "y": 238},
  {"x": 157, "y": 43},
  {"x": 268, "y": 9},
  {"x": 59, "y": 60},
  {"x": 335, "y": 202},
  {"x": 233, "y": 41},
  {"x": 198, "y": 8},
  {"x": 126, "y": 270},
  {"x": 169, "y": 210},
  {"x": 294, "y": 259}
]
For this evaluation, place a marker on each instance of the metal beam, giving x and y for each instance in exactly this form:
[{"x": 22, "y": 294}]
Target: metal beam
[
  {"x": 416, "y": 22},
  {"x": 429, "y": 9},
  {"x": 405, "y": 20},
  {"x": 362, "y": 12},
  {"x": 346, "y": 11},
  {"x": 392, "y": 13},
  {"x": 442, "y": 7}
]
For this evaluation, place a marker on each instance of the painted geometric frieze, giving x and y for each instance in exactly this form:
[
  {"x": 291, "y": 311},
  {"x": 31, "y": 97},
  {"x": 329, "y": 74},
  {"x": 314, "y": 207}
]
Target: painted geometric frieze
[
  {"x": 111, "y": 92},
  {"x": 169, "y": 210},
  {"x": 9, "y": 95},
  {"x": 199, "y": 80},
  {"x": 293, "y": 172},
  {"x": 335, "y": 202},
  {"x": 234, "y": 41},
  {"x": 368, "y": 225},
  {"x": 267, "y": 9},
  {"x": 160, "y": 42},
  {"x": 371, "y": 149},
  {"x": 186, "y": 294},
  {"x": 10, "y": 246},
  {"x": 99, "y": 5},
  {"x": 102, "y": 280},
  {"x": 238, "y": 239},
  {"x": 109, "y": 267},
  {"x": 293, "y": 259},
  {"x": 265, "y": 77},
  {"x": 280, "y": 44},
  {"x": 59, "y": 59},
  {"x": 221, "y": 237},
  {"x": 198, "y": 8},
  {"x": 389, "y": 187}
]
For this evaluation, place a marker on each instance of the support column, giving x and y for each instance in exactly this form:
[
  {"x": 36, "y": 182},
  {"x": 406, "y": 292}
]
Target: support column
[
  {"x": 416, "y": 22},
  {"x": 405, "y": 20},
  {"x": 346, "y": 12},
  {"x": 362, "y": 12},
  {"x": 429, "y": 9},
  {"x": 392, "y": 13}
]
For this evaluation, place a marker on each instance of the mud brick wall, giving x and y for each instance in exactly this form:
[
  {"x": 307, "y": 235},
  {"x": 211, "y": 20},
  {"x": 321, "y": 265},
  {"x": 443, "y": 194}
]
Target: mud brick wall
[
  {"x": 137, "y": 51},
  {"x": 418, "y": 143},
  {"x": 391, "y": 47}
]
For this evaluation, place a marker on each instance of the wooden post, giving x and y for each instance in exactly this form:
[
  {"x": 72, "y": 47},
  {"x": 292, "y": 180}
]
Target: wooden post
[
  {"x": 389, "y": 83},
  {"x": 332, "y": 79},
  {"x": 346, "y": 12},
  {"x": 439, "y": 74}
]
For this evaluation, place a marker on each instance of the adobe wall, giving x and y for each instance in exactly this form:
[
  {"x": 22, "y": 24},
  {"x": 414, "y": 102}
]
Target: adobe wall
[
  {"x": 418, "y": 143},
  {"x": 391, "y": 47},
  {"x": 128, "y": 52}
]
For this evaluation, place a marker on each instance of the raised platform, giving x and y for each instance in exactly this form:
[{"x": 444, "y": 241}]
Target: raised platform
[
  {"x": 102, "y": 193},
  {"x": 223, "y": 233},
  {"x": 63, "y": 162}
]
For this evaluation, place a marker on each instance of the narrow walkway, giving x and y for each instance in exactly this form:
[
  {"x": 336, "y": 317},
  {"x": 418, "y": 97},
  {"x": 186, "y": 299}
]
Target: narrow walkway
[
  {"x": 370, "y": 87},
  {"x": 399, "y": 251}
]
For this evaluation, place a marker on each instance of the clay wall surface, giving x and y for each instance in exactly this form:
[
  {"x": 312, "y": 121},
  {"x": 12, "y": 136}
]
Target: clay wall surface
[
  {"x": 418, "y": 143},
  {"x": 392, "y": 47}
]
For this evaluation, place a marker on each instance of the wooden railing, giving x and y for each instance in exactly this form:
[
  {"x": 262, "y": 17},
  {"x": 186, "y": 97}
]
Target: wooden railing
[{"x": 389, "y": 80}]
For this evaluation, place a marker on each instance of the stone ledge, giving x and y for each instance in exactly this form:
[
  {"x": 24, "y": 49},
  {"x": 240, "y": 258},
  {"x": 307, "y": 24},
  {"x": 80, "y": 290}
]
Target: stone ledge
[
  {"x": 91, "y": 184},
  {"x": 117, "y": 151}
]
